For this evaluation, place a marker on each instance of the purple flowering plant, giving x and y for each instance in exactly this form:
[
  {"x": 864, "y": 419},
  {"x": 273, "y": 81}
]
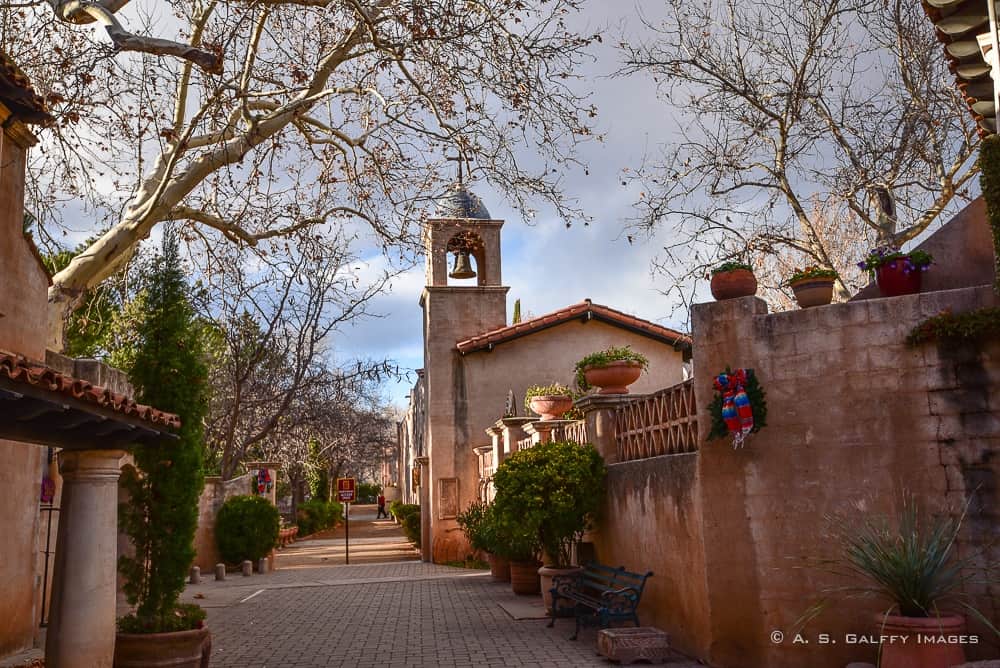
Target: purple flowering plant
[{"x": 917, "y": 260}]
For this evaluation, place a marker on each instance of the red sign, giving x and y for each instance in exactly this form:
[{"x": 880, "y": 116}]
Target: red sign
[{"x": 345, "y": 490}]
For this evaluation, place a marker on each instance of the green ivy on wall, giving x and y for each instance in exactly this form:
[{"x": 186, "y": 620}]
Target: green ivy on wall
[{"x": 989, "y": 181}]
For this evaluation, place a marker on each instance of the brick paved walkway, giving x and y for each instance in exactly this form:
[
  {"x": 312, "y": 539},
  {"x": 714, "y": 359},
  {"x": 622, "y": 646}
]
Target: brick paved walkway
[{"x": 402, "y": 613}]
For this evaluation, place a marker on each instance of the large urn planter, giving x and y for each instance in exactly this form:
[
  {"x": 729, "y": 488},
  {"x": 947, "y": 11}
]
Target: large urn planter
[
  {"x": 613, "y": 377},
  {"x": 811, "y": 292},
  {"x": 551, "y": 406},
  {"x": 179, "y": 649},
  {"x": 499, "y": 567},
  {"x": 524, "y": 579},
  {"x": 895, "y": 280},
  {"x": 921, "y": 642},
  {"x": 733, "y": 283},
  {"x": 545, "y": 575}
]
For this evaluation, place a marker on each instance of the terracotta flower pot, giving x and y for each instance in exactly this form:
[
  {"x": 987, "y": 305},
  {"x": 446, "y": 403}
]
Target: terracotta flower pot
[
  {"x": 545, "y": 575},
  {"x": 524, "y": 577},
  {"x": 926, "y": 643},
  {"x": 614, "y": 377},
  {"x": 499, "y": 567},
  {"x": 733, "y": 284},
  {"x": 894, "y": 281},
  {"x": 811, "y": 292},
  {"x": 179, "y": 649},
  {"x": 551, "y": 406}
]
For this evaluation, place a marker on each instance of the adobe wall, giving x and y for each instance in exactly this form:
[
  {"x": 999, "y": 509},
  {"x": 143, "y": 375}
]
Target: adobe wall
[
  {"x": 216, "y": 492},
  {"x": 22, "y": 330},
  {"x": 651, "y": 521},
  {"x": 854, "y": 416}
]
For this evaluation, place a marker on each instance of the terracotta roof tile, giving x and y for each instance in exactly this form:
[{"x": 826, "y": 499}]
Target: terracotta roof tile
[
  {"x": 18, "y": 95},
  {"x": 20, "y": 369},
  {"x": 586, "y": 310}
]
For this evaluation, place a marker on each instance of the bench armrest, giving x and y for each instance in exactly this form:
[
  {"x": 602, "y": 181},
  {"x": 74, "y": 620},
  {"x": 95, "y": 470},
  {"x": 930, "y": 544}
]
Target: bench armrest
[
  {"x": 620, "y": 601},
  {"x": 565, "y": 583}
]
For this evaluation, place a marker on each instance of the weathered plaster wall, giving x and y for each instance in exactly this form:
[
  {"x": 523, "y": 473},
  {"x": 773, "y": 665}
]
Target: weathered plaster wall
[
  {"x": 854, "y": 417},
  {"x": 22, "y": 330},
  {"x": 652, "y": 521},
  {"x": 212, "y": 497}
]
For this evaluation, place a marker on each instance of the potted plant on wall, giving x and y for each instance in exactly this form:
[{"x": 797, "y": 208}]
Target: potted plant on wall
[
  {"x": 166, "y": 365},
  {"x": 551, "y": 402},
  {"x": 612, "y": 370},
  {"x": 553, "y": 490},
  {"x": 733, "y": 279},
  {"x": 911, "y": 563},
  {"x": 896, "y": 273},
  {"x": 813, "y": 286}
]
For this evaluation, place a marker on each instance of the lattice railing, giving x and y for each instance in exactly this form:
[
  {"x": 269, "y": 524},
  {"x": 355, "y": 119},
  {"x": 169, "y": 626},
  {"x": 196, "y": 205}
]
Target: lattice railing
[
  {"x": 662, "y": 423},
  {"x": 577, "y": 432}
]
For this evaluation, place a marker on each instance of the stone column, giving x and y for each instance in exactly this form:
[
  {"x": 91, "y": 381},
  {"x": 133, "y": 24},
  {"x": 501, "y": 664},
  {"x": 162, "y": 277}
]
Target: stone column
[
  {"x": 425, "y": 507},
  {"x": 513, "y": 431},
  {"x": 82, "y": 619},
  {"x": 599, "y": 414},
  {"x": 496, "y": 439}
]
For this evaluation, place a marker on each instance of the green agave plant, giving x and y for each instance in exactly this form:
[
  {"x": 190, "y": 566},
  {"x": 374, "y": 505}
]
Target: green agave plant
[{"x": 909, "y": 561}]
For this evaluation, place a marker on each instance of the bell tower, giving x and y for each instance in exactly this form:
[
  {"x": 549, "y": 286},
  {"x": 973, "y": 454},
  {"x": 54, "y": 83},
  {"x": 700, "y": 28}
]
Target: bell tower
[{"x": 462, "y": 242}]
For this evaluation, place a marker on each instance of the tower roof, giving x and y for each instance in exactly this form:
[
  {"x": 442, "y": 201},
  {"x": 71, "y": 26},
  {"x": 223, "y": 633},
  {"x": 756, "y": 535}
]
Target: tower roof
[{"x": 460, "y": 202}]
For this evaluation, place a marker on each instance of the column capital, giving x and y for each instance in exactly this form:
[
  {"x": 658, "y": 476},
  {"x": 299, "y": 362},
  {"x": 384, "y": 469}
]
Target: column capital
[
  {"x": 90, "y": 465},
  {"x": 509, "y": 422},
  {"x": 596, "y": 402}
]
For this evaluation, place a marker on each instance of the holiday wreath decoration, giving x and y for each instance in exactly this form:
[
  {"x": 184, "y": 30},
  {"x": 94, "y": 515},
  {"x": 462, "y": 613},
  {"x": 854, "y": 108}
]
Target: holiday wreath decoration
[
  {"x": 264, "y": 481},
  {"x": 739, "y": 407}
]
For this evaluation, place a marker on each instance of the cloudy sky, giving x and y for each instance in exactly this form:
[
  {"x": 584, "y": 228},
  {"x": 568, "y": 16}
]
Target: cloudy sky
[{"x": 546, "y": 265}]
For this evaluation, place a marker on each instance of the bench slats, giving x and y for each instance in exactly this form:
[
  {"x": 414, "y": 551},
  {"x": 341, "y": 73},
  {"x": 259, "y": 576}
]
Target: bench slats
[{"x": 600, "y": 592}]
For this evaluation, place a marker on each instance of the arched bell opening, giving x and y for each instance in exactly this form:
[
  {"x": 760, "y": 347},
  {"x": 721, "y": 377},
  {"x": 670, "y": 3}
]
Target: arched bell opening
[{"x": 466, "y": 257}]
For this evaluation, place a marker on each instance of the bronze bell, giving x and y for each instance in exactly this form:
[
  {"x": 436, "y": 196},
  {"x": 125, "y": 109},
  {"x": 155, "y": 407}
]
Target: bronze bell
[{"x": 463, "y": 267}]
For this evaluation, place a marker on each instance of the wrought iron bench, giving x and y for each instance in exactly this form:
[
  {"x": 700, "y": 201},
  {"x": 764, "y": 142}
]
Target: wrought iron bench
[{"x": 599, "y": 594}]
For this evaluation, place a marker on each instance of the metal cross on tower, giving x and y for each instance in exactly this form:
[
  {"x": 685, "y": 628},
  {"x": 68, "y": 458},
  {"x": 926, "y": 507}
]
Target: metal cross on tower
[{"x": 461, "y": 160}]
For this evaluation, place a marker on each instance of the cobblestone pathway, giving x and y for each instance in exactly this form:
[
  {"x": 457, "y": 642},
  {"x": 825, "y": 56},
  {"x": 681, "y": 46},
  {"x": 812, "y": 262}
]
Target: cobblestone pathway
[{"x": 310, "y": 613}]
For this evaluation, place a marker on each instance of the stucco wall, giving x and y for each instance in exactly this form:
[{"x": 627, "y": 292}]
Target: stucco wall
[
  {"x": 482, "y": 380},
  {"x": 854, "y": 416},
  {"x": 651, "y": 521},
  {"x": 22, "y": 330}
]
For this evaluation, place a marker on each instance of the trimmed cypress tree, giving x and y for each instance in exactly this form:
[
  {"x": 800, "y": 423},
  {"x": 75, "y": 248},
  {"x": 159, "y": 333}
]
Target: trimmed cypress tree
[{"x": 168, "y": 370}]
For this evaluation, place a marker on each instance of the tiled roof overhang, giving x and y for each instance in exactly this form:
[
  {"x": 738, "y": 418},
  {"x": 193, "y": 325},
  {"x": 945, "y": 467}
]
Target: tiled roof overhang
[
  {"x": 584, "y": 311},
  {"x": 40, "y": 405},
  {"x": 957, "y": 22},
  {"x": 17, "y": 94}
]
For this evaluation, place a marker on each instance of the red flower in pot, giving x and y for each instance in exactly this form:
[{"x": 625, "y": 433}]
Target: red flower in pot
[{"x": 897, "y": 273}]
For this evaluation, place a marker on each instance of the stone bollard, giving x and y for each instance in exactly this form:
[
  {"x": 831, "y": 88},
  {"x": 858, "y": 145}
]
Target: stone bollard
[
  {"x": 262, "y": 565},
  {"x": 195, "y": 576},
  {"x": 247, "y": 568},
  {"x": 220, "y": 571}
]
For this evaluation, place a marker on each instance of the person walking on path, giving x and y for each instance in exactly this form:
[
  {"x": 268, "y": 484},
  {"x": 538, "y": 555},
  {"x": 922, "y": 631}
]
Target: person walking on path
[{"x": 381, "y": 507}]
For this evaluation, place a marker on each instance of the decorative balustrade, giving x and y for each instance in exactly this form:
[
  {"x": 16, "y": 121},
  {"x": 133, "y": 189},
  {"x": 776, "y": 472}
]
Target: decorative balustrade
[
  {"x": 662, "y": 423},
  {"x": 577, "y": 432},
  {"x": 525, "y": 443}
]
